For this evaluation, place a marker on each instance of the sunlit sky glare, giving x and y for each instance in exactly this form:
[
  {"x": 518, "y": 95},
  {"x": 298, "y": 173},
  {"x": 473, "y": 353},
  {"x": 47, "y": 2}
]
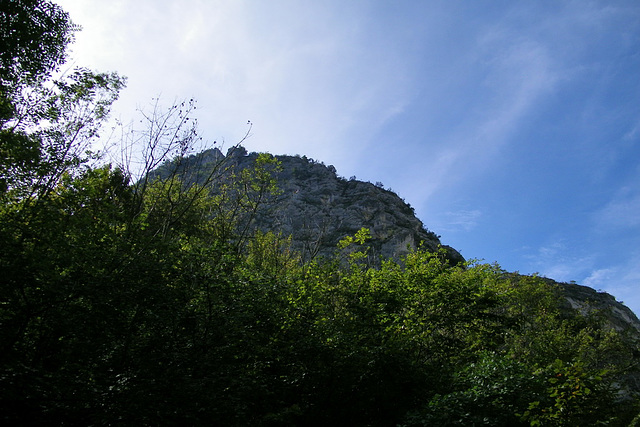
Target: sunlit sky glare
[{"x": 512, "y": 127}]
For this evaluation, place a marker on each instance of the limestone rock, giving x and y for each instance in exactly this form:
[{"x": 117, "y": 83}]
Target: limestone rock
[{"x": 319, "y": 208}]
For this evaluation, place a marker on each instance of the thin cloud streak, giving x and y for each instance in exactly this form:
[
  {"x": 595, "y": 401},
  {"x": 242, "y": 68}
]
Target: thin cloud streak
[
  {"x": 623, "y": 212},
  {"x": 457, "y": 221},
  {"x": 621, "y": 280}
]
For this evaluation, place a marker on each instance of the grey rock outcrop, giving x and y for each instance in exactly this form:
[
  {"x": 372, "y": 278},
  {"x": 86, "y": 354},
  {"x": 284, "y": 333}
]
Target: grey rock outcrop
[
  {"x": 586, "y": 300},
  {"x": 318, "y": 208}
]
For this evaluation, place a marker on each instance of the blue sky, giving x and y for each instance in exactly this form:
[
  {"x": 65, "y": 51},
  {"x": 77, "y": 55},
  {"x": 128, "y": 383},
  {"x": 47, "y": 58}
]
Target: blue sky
[{"x": 512, "y": 127}]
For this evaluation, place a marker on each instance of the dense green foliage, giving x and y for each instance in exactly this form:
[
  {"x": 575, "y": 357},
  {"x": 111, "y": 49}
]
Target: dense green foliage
[{"x": 154, "y": 302}]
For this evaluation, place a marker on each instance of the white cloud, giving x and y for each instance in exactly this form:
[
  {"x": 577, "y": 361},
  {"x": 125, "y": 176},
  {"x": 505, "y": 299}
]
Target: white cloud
[
  {"x": 310, "y": 76},
  {"x": 559, "y": 261},
  {"x": 622, "y": 281},
  {"x": 601, "y": 277},
  {"x": 622, "y": 212},
  {"x": 512, "y": 76},
  {"x": 633, "y": 134},
  {"x": 462, "y": 220}
]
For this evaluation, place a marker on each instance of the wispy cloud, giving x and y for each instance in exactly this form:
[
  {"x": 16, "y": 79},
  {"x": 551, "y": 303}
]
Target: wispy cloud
[
  {"x": 621, "y": 280},
  {"x": 601, "y": 277},
  {"x": 512, "y": 75},
  {"x": 457, "y": 221},
  {"x": 557, "y": 260},
  {"x": 622, "y": 212},
  {"x": 632, "y": 134}
]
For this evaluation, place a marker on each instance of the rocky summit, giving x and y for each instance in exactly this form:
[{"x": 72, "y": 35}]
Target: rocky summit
[{"x": 317, "y": 208}]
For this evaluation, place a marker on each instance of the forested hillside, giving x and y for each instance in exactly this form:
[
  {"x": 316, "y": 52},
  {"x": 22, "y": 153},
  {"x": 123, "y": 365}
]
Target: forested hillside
[{"x": 150, "y": 297}]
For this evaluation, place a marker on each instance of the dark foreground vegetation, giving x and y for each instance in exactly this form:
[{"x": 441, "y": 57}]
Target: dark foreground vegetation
[{"x": 126, "y": 300}]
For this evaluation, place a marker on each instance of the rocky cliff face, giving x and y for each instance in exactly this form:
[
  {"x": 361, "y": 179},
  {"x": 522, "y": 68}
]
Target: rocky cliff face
[
  {"x": 586, "y": 299},
  {"x": 318, "y": 208}
]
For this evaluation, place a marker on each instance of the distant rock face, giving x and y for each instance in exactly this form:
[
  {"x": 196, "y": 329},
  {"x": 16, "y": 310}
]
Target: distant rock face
[
  {"x": 586, "y": 299},
  {"x": 318, "y": 209}
]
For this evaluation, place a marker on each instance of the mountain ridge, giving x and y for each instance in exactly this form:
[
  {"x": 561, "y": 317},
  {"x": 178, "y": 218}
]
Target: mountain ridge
[{"x": 317, "y": 208}]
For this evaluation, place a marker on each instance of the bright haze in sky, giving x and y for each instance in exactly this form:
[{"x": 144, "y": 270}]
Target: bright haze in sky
[{"x": 512, "y": 127}]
